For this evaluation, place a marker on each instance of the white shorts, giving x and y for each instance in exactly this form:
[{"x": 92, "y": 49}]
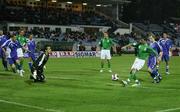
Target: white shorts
[
  {"x": 20, "y": 53},
  {"x": 105, "y": 54},
  {"x": 138, "y": 64}
]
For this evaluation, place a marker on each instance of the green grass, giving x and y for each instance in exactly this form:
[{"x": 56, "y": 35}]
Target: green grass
[{"x": 75, "y": 85}]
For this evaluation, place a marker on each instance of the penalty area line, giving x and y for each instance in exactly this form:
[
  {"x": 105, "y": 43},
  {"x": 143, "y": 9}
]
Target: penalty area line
[
  {"x": 168, "y": 110},
  {"x": 29, "y": 106}
]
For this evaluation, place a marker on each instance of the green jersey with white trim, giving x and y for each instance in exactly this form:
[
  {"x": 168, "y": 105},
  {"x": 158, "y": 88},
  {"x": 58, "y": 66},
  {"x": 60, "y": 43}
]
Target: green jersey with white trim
[
  {"x": 144, "y": 51},
  {"x": 22, "y": 40},
  {"x": 106, "y": 43}
]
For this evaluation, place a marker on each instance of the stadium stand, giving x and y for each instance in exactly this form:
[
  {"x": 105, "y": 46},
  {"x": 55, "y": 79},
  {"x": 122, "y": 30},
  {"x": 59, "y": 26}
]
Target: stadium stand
[{"x": 52, "y": 16}]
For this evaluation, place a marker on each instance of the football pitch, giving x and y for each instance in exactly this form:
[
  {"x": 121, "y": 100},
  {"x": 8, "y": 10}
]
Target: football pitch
[{"x": 76, "y": 85}]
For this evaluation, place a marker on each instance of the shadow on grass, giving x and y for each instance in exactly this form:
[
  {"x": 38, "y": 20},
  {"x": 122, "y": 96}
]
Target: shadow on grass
[{"x": 30, "y": 82}]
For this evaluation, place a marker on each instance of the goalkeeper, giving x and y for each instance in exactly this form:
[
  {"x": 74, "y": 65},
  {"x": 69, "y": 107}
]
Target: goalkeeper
[{"x": 39, "y": 64}]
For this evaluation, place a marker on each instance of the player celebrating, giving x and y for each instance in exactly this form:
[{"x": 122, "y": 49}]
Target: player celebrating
[
  {"x": 31, "y": 47},
  {"x": 3, "y": 39},
  {"x": 23, "y": 41},
  {"x": 143, "y": 52},
  {"x": 38, "y": 65},
  {"x": 105, "y": 44},
  {"x": 13, "y": 60},
  {"x": 166, "y": 45},
  {"x": 153, "y": 60}
]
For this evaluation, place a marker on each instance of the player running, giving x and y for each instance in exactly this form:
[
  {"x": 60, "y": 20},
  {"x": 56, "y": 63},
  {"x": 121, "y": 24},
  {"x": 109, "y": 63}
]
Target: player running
[
  {"x": 38, "y": 65},
  {"x": 3, "y": 39},
  {"x": 143, "y": 52},
  {"x": 166, "y": 45},
  {"x": 12, "y": 44},
  {"x": 23, "y": 41},
  {"x": 153, "y": 60},
  {"x": 31, "y": 47},
  {"x": 105, "y": 44}
]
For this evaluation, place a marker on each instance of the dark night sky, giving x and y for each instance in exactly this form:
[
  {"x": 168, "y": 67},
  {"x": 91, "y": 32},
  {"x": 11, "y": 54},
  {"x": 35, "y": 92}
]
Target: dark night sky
[{"x": 154, "y": 10}]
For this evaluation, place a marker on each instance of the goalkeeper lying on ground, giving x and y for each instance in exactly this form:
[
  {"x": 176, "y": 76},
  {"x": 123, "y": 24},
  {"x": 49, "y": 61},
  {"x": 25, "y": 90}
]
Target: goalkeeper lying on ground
[{"x": 39, "y": 64}]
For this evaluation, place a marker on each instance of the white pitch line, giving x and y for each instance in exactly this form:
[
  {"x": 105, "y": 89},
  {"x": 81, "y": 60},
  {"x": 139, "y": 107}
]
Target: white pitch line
[
  {"x": 143, "y": 87},
  {"x": 63, "y": 78},
  {"x": 169, "y": 89},
  {"x": 168, "y": 110},
  {"x": 29, "y": 106}
]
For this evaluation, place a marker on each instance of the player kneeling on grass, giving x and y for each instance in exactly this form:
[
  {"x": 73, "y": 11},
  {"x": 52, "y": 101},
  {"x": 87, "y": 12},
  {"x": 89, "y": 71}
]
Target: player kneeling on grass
[
  {"x": 143, "y": 51},
  {"x": 38, "y": 65}
]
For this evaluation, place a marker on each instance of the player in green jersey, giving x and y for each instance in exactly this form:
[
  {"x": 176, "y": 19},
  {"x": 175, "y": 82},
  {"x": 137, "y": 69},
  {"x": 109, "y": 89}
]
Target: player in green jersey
[
  {"x": 23, "y": 42},
  {"x": 143, "y": 52},
  {"x": 105, "y": 45}
]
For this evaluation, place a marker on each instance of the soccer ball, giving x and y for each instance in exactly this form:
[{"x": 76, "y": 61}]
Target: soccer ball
[{"x": 115, "y": 77}]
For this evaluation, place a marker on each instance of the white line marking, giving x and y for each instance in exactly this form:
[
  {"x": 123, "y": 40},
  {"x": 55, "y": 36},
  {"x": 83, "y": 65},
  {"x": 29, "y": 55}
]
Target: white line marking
[
  {"x": 144, "y": 87},
  {"x": 30, "y": 106},
  {"x": 169, "y": 110},
  {"x": 63, "y": 78},
  {"x": 170, "y": 89}
]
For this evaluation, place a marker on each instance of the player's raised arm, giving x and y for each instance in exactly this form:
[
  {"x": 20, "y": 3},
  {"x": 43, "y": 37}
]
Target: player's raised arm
[{"x": 129, "y": 45}]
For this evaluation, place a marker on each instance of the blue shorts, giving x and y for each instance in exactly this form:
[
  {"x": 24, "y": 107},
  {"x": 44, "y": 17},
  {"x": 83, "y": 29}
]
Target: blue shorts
[
  {"x": 12, "y": 60},
  {"x": 165, "y": 57},
  {"x": 152, "y": 62},
  {"x": 32, "y": 56}
]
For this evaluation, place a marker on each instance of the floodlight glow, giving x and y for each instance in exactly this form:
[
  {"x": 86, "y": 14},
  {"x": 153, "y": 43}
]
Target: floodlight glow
[
  {"x": 84, "y": 3},
  {"x": 69, "y": 2},
  {"x": 54, "y": 1},
  {"x": 98, "y": 5}
]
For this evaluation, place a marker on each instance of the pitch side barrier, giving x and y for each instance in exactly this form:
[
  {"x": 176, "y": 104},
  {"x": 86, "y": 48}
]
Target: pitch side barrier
[
  {"x": 75, "y": 54},
  {"x": 70, "y": 54}
]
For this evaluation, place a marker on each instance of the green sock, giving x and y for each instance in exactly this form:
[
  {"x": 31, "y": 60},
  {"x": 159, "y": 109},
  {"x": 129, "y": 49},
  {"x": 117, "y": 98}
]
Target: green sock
[
  {"x": 21, "y": 63},
  {"x": 109, "y": 65},
  {"x": 132, "y": 76},
  {"x": 102, "y": 65}
]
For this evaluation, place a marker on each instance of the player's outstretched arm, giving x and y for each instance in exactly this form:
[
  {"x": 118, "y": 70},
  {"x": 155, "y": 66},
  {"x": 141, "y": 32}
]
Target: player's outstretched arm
[{"x": 129, "y": 45}]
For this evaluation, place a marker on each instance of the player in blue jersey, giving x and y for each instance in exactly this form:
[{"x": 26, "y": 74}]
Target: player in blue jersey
[
  {"x": 31, "y": 47},
  {"x": 166, "y": 45},
  {"x": 3, "y": 39},
  {"x": 12, "y": 57},
  {"x": 153, "y": 60}
]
